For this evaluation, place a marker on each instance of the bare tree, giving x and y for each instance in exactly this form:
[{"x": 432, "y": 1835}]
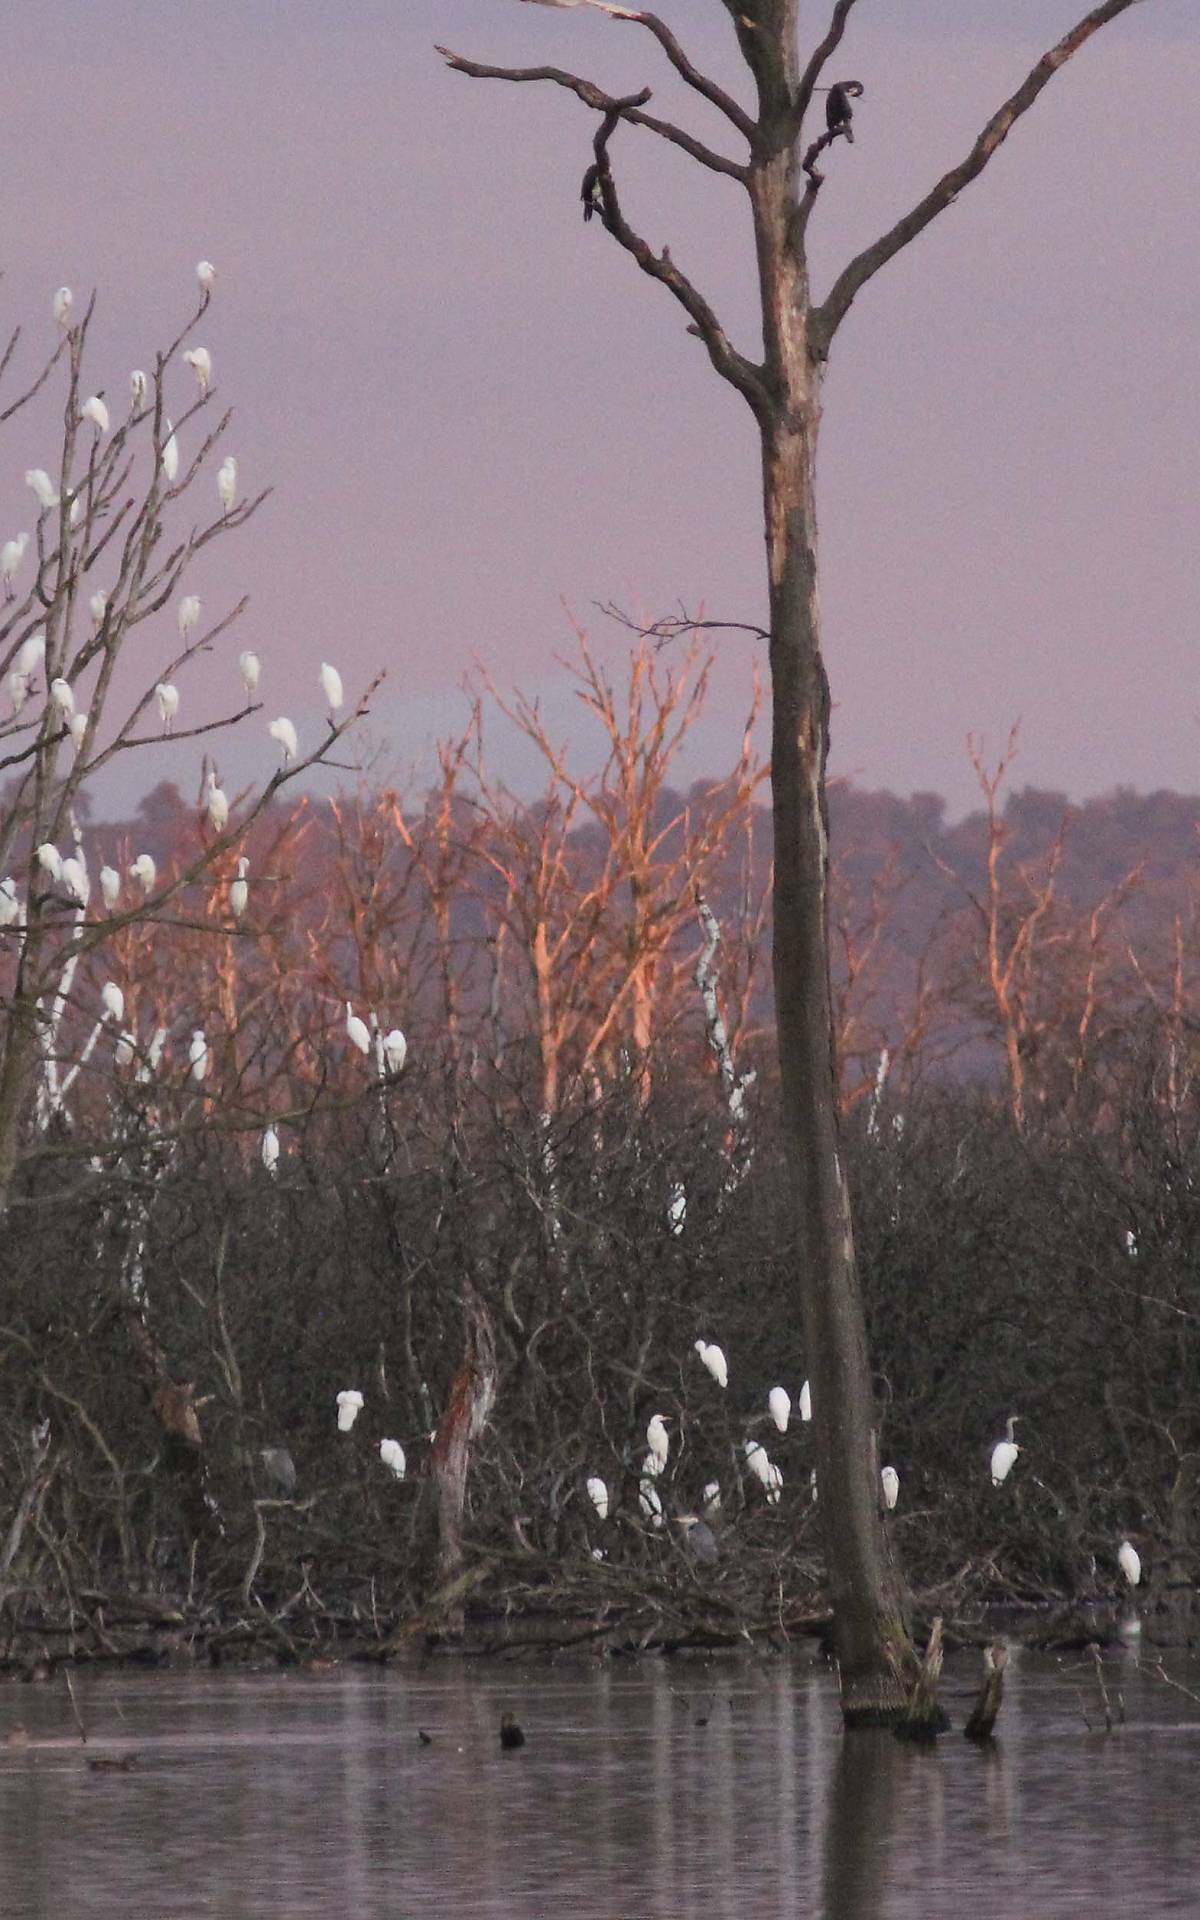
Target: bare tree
[{"x": 783, "y": 391}]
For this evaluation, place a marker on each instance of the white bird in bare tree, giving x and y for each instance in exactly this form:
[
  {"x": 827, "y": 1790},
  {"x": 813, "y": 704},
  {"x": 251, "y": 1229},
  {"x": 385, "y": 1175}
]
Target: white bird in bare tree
[
  {"x": 890, "y": 1480},
  {"x": 284, "y": 733},
  {"x": 170, "y": 454},
  {"x": 714, "y": 1360},
  {"x": 349, "y": 1406},
  {"x": 806, "y": 1402},
  {"x": 216, "y": 805},
  {"x": 94, "y": 409},
  {"x": 137, "y": 390},
  {"x": 1130, "y": 1562},
  {"x": 144, "y": 872},
  {"x": 113, "y": 1001},
  {"x": 32, "y": 654},
  {"x": 392, "y": 1455},
  {"x": 239, "y": 889},
  {"x": 199, "y": 359},
  {"x": 188, "y": 614},
  {"x": 270, "y": 1149},
  {"x": 167, "y": 696},
  {"x": 395, "y": 1051},
  {"x": 206, "y": 274},
  {"x": 227, "y": 483},
  {"x": 198, "y": 1055},
  {"x": 49, "y": 859},
  {"x": 110, "y": 886},
  {"x": 331, "y": 687},
  {"x": 357, "y": 1031},
  {"x": 18, "y": 689},
  {"x": 39, "y": 483},
  {"x": 250, "y": 668},
  {"x": 78, "y": 725},
  {"x": 1004, "y": 1453},
  {"x": 125, "y": 1049},
  {"x": 658, "y": 1439},
  {"x": 75, "y": 880},
  {"x": 11, "y": 555},
  {"x": 98, "y": 607},
  {"x": 759, "y": 1464},
  {"x": 597, "y": 1493},
  {"x": 650, "y": 1503},
  {"x": 61, "y": 306},
  {"x": 779, "y": 1405},
  {"x": 10, "y": 905},
  {"x": 62, "y": 696}
]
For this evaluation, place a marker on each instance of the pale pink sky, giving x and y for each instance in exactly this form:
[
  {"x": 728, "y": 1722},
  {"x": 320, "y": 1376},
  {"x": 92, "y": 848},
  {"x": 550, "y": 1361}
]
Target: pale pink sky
[{"x": 474, "y": 409}]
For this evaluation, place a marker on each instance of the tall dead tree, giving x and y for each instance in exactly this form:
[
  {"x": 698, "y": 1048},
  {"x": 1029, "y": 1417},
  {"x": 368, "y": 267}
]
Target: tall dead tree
[{"x": 782, "y": 183}]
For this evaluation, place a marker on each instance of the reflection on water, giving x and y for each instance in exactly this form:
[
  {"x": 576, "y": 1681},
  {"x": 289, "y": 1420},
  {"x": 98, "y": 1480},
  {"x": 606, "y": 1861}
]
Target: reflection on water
[{"x": 276, "y": 1797}]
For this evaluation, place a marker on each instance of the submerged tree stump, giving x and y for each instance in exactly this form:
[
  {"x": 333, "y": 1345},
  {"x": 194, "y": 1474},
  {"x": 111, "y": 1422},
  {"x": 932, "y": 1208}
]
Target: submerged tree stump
[
  {"x": 924, "y": 1717},
  {"x": 982, "y": 1722}
]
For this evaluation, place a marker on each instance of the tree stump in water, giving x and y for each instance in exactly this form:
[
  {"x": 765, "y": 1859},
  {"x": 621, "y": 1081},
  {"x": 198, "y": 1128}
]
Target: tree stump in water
[
  {"x": 924, "y": 1718},
  {"x": 982, "y": 1722}
]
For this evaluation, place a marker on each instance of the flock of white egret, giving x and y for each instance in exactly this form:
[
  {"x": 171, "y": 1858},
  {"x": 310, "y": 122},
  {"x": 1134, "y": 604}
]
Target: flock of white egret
[{"x": 350, "y": 1403}]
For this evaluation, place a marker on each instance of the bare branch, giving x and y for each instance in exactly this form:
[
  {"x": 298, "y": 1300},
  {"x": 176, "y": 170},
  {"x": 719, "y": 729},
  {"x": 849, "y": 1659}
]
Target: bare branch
[
  {"x": 684, "y": 68},
  {"x": 829, "y": 316}
]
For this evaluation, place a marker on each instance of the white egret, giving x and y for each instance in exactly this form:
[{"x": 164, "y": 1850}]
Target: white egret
[
  {"x": 156, "y": 1048},
  {"x": 1130, "y": 1562},
  {"x": 357, "y": 1032},
  {"x": 170, "y": 454},
  {"x": 137, "y": 390},
  {"x": 779, "y": 1406},
  {"x": 652, "y": 1466},
  {"x": 239, "y": 889},
  {"x": 714, "y": 1360},
  {"x": 18, "y": 689},
  {"x": 113, "y": 1001},
  {"x": 75, "y": 880},
  {"x": 167, "y": 696},
  {"x": 216, "y": 805},
  {"x": 710, "y": 1499},
  {"x": 757, "y": 1462},
  {"x": 125, "y": 1049},
  {"x": 98, "y": 607},
  {"x": 32, "y": 654},
  {"x": 50, "y": 859},
  {"x": 144, "y": 872},
  {"x": 597, "y": 1493},
  {"x": 806, "y": 1402},
  {"x": 250, "y": 667},
  {"x": 349, "y": 1406},
  {"x": 198, "y": 1057},
  {"x": 658, "y": 1439},
  {"x": 227, "y": 483},
  {"x": 206, "y": 274},
  {"x": 62, "y": 696},
  {"x": 677, "y": 1208},
  {"x": 650, "y": 1504},
  {"x": 199, "y": 359},
  {"x": 331, "y": 687},
  {"x": 39, "y": 483},
  {"x": 392, "y": 1455},
  {"x": 285, "y": 733},
  {"x": 10, "y": 905},
  {"x": 1004, "y": 1453},
  {"x": 188, "y": 614},
  {"x": 76, "y": 514},
  {"x": 891, "y": 1486},
  {"x": 270, "y": 1149},
  {"x": 61, "y": 306},
  {"x": 110, "y": 886},
  {"x": 774, "y": 1484},
  {"x": 94, "y": 409},
  {"x": 395, "y": 1051},
  {"x": 11, "y": 555}
]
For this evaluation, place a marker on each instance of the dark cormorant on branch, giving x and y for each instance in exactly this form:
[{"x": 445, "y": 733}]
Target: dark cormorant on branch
[
  {"x": 589, "y": 192},
  {"x": 838, "y": 111}
]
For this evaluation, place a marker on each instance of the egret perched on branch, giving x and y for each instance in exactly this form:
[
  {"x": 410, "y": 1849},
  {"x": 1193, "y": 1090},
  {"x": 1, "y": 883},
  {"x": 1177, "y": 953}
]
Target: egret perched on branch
[
  {"x": 597, "y": 1493},
  {"x": 250, "y": 667},
  {"x": 113, "y": 1000},
  {"x": 78, "y": 725},
  {"x": 806, "y": 1402},
  {"x": 650, "y": 1504},
  {"x": 239, "y": 889},
  {"x": 189, "y": 613},
  {"x": 331, "y": 687},
  {"x": 11, "y": 555},
  {"x": 712, "y": 1358},
  {"x": 50, "y": 859},
  {"x": 227, "y": 483},
  {"x": 75, "y": 880},
  {"x": 349, "y": 1406},
  {"x": 652, "y": 1466},
  {"x": 137, "y": 390},
  {"x": 39, "y": 482},
  {"x": 779, "y": 1406},
  {"x": 198, "y": 1055},
  {"x": 18, "y": 689},
  {"x": 392, "y": 1455},
  {"x": 167, "y": 696},
  {"x": 10, "y": 905},
  {"x": 890, "y": 1480},
  {"x": 270, "y": 1149},
  {"x": 32, "y": 654},
  {"x": 94, "y": 409},
  {"x": 206, "y": 274},
  {"x": 758, "y": 1463},
  {"x": 61, "y": 306},
  {"x": 357, "y": 1032},
  {"x": 284, "y": 732},
  {"x": 125, "y": 1049},
  {"x": 144, "y": 872},
  {"x": 395, "y": 1051},
  {"x": 199, "y": 359},
  {"x": 1004, "y": 1453},
  {"x": 98, "y": 607},
  {"x": 710, "y": 1499},
  {"x": 62, "y": 696},
  {"x": 170, "y": 454},
  {"x": 216, "y": 805},
  {"x": 658, "y": 1439},
  {"x": 110, "y": 886},
  {"x": 1130, "y": 1562}
]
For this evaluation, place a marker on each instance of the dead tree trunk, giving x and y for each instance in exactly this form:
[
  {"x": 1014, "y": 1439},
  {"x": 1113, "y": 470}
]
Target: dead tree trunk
[{"x": 471, "y": 1399}]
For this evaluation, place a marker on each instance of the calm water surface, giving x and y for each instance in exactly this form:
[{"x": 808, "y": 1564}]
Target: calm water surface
[{"x": 277, "y": 1797}]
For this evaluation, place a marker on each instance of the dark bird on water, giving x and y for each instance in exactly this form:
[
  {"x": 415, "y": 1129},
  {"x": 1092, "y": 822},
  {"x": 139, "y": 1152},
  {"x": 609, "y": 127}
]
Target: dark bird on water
[
  {"x": 112, "y": 1762},
  {"x": 838, "y": 111},
  {"x": 511, "y": 1733},
  {"x": 426, "y": 1739}
]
